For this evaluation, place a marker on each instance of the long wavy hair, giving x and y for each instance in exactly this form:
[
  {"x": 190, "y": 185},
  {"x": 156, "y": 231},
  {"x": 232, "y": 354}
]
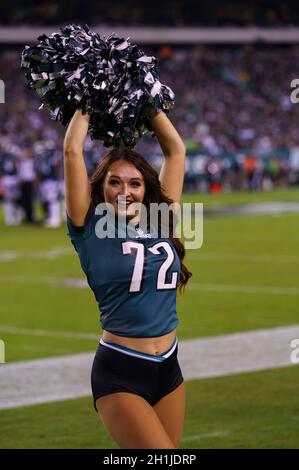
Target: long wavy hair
[{"x": 154, "y": 193}]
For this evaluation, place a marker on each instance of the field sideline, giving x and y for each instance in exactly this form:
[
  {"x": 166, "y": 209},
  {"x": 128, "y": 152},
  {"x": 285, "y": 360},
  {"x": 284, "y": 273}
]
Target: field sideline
[{"x": 245, "y": 278}]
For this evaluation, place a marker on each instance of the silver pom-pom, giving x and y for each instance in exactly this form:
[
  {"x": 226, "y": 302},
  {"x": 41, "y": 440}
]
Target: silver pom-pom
[{"x": 108, "y": 78}]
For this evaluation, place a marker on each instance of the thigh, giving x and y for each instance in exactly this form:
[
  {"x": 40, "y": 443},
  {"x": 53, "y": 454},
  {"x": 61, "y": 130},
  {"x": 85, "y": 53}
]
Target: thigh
[
  {"x": 171, "y": 413},
  {"x": 132, "y": 422}
]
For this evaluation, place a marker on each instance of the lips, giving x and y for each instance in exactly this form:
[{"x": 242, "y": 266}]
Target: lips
[{"x": 127, "y": 204}]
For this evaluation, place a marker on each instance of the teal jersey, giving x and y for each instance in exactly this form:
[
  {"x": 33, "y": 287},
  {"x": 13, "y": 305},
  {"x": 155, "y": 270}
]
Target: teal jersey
[{"x": 134, "y": 278}]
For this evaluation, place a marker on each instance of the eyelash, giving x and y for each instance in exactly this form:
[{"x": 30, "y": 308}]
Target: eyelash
[{"x": 116, "y": 182}]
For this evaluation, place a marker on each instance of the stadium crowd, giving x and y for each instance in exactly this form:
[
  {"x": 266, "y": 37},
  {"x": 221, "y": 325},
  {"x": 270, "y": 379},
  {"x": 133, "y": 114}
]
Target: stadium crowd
[
  {"x": 151, "y": 13},
  {"x": 233, "y": 110}
]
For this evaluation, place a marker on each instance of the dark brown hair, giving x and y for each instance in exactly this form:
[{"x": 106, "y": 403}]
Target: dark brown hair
[{"x": 153, "y": 193}]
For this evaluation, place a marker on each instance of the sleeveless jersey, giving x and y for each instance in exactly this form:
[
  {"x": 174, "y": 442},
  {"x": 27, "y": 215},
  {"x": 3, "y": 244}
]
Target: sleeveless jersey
[{"x": 134, "y": 278}]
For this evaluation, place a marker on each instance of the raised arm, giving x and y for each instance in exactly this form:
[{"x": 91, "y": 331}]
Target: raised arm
[
  {"x": 77, "y": 188},
  {"x": 174, "y": 150}
]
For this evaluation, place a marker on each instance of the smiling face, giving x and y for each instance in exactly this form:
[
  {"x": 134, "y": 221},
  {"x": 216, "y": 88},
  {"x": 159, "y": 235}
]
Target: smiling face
[{"x": 123, "y": 179}]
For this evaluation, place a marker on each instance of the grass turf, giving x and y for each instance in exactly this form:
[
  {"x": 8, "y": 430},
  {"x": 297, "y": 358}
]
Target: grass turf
[
  {"x": 253, "y": 410},
  {"x": 246, "y": 410}
]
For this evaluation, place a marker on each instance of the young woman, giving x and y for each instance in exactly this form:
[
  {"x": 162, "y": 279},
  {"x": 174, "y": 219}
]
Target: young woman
[{"x": 137, "y": 384}]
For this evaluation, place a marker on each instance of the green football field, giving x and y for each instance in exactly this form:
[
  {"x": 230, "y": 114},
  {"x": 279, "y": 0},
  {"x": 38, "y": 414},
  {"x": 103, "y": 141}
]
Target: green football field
[{"x": 256, "y": 255}]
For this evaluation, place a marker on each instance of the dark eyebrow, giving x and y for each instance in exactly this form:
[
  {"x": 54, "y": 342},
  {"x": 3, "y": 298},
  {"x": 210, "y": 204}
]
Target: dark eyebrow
[{"x": 134, "y": 178}]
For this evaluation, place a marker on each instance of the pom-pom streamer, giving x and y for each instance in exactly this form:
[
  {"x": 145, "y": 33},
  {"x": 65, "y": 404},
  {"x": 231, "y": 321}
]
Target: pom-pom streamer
[{"x": 108, "y": 78}]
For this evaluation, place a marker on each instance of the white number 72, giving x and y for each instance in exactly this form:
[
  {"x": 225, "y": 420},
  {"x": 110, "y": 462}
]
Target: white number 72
[{"x": 129, "y": 246}]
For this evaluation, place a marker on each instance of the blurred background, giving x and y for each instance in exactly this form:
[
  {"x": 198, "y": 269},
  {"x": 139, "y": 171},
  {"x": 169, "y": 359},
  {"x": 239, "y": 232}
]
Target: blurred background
[
  {"x": 233, "y": 106},
  {"x": 230, "y": 66}
]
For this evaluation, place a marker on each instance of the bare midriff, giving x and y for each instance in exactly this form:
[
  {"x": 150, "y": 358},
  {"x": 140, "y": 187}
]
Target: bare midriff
[{"x": 156, "y": 345}]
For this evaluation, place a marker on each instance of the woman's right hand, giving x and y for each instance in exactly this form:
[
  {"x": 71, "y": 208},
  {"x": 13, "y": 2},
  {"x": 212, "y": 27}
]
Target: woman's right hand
[{"x": 77, "y": 131}]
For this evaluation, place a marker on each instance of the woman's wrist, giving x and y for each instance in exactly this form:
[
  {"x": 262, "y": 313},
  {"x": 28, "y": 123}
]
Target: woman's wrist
[
  {"x": 77, "y": 131},
  {"x": 151, "y": 112},
  {"x": 85, "y": 116}
]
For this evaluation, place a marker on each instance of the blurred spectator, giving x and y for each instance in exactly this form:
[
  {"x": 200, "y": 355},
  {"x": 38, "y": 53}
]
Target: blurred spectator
[
  {"x": 11, "y": 190},
  {"x": 232, "y": 109},
  {"x": 250, "y": 167},
  {"x": 48, "y": 165},
  {"x": 26, "y": 175}
]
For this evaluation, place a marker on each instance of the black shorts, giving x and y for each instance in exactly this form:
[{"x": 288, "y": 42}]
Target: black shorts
[{"x": 119, "y": 369}]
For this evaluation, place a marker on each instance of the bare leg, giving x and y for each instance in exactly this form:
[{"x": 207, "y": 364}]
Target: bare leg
[
  {"x": 132, "y": 422},
  {"x": 171, "y": 412}
]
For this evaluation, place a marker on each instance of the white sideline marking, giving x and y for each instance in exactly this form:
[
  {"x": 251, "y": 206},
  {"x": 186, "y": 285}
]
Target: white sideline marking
[
  {"x": 53, "y": 379},
  {"x": 60, "y": 282},
  {"x": 57, "y": 252},
  {"x": 49, "y": 333},
  {"x": 198, "y": 437},
  {"x": 82, "y": 284},
  {"x": 53, "y": 253},
  {"x": 244, "y": 289},
  {"x": 245, "y": 257}
]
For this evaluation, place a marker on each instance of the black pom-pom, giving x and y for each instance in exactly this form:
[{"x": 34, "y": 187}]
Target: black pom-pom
[{"x": 108, "y": 78}]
